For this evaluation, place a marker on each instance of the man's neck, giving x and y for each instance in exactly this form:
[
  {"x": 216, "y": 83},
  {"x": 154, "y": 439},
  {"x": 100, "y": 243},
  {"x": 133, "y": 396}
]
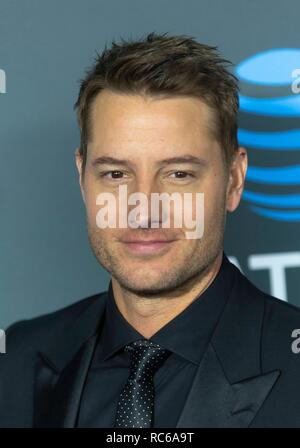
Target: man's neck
[{"x": 148, "y": 316}]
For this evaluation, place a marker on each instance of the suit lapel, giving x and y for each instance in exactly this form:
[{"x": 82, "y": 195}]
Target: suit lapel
[
  {"x": 231, "y": 385},
  {"x": 215, "y": 403},
  {"x": 61, "y": 370},
  {"x": 64, "y": 399}
]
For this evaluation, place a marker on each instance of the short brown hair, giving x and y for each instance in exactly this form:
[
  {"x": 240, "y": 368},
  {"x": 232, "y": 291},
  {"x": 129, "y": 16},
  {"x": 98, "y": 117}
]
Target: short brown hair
[{"x": 164, "y": 65}]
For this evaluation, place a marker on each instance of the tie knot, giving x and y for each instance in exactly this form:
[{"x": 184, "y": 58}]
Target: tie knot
[{"x": 146, "y": 357}]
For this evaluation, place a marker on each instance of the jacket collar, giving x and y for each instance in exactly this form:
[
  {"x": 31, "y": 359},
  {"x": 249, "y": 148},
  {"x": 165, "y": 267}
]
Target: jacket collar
[
  {"x": 230, "y": 385},
  {"x": 237, "y": 338},
  {"x": 59, "y": 353}
]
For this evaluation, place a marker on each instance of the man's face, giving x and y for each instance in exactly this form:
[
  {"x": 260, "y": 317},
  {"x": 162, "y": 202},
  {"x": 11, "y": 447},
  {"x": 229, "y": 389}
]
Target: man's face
[{"x": 154, "y": 146}]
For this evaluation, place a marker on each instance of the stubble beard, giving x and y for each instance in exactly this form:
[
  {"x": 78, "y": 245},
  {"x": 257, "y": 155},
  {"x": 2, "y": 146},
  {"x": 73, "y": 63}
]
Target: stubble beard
[{"x": 185, "y": 272}]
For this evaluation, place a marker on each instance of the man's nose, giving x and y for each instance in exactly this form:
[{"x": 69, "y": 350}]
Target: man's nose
[{"x": 150, "y": 210}]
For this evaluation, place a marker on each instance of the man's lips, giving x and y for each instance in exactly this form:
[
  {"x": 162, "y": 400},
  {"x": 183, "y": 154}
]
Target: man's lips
[{"x": 147, "y": 246}]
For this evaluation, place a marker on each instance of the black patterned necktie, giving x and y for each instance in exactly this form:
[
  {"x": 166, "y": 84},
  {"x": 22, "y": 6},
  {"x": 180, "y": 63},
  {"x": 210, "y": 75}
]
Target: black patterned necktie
[{"x": 136, "y": 401}]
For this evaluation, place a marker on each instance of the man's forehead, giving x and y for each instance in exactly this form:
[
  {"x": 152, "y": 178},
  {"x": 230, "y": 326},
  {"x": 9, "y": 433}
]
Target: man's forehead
[
  {"x": 145, "y": 113},
  {"x": 126, "y": 127}
]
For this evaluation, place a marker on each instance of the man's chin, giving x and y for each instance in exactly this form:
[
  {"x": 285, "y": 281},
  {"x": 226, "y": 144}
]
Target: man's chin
[
  {"x": 147, "y": 291},
  {"x": 148, "y": 285}
]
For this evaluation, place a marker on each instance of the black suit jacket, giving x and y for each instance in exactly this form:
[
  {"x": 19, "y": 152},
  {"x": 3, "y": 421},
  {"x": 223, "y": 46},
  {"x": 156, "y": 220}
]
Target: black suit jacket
[{"x": 248, "y": 377}]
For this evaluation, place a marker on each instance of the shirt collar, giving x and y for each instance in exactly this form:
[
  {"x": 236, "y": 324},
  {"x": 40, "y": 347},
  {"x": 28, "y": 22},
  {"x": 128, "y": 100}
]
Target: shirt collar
[{"x": 186, "y": 335}]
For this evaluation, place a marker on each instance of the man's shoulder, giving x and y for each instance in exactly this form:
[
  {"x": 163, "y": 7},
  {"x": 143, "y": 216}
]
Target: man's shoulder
[
  {"x": 275, "y": 309},
  {"x": 278, "y": 321},
  {"x": 280, "y": 309},
  {"x": 260, "y": 318},
  {"x": 281, "y": 322},
  {"x": 34, "y": 331}
]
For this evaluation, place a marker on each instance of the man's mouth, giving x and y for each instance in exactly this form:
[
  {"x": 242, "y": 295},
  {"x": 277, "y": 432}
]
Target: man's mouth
[{"x": 147, "y": 246}]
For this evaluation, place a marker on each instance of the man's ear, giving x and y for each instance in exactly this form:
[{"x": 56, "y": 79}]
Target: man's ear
[
  {"x": 236, "y": 181},
  {"x": 78, "y": 160}
]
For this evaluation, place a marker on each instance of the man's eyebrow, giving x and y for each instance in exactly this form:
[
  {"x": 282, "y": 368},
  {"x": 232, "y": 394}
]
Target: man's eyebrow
[
  {"x": 108, "y": 160},
  {"x": 184, "y": 159},
  {"x": 179, "y": 159}
]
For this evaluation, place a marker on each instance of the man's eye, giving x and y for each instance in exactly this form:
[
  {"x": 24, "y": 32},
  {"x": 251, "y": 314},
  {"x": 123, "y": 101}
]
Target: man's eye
[
  {"x": 180, "y": 174},
  {"x": 113, "y": 174}
]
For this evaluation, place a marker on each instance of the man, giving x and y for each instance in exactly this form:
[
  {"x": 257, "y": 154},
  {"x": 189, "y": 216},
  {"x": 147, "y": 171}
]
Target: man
[{"x": 181, "y": 338}]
